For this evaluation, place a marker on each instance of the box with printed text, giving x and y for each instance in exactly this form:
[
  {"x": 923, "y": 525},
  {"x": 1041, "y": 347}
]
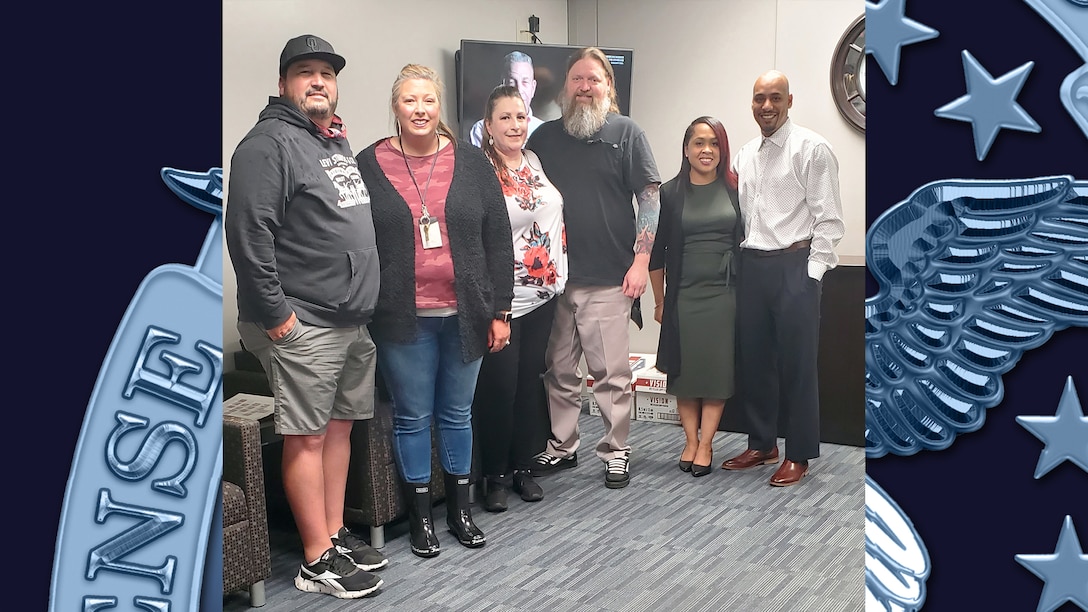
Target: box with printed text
[
  {"x": 652, "y": 402},
  {"x": 639, "y": 363}
]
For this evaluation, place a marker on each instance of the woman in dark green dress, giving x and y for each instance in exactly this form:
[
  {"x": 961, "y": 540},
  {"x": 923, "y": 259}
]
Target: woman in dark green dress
[{"x": 693, "y": 281}]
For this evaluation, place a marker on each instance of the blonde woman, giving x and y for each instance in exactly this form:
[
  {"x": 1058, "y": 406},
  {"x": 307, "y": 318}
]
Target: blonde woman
[{"x": 443, "y": 239}]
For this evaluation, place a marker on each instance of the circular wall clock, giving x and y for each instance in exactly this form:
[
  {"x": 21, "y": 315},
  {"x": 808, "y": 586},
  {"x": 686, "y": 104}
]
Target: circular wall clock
[{"x": 848, "y": 74}]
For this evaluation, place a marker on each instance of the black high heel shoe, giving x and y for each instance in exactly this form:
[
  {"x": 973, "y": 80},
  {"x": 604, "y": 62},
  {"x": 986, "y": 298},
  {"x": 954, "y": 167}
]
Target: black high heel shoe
[
  {"x": 685, "y": 466},
  {"x": 701, "y": 470}
]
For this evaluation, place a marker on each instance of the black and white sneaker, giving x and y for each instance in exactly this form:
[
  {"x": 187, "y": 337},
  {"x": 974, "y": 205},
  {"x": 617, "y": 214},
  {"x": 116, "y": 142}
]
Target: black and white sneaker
[
  {"x": 545, "y": 463},
  {"x": 362, "y": 554},
  {"x": 336, "y": 574},
  {"x": 617, "y": 474}
]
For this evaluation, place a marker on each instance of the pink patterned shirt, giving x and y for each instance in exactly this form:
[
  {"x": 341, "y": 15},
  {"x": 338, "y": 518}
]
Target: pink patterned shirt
[{"x": 434, "y": 267}]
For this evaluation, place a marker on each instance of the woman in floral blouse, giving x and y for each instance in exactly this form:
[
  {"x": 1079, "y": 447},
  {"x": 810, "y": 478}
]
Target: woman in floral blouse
[{"x": 510, "y": 408}]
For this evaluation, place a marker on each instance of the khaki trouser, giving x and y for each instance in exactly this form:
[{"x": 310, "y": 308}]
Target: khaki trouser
[{"x": 593, "y": 322}]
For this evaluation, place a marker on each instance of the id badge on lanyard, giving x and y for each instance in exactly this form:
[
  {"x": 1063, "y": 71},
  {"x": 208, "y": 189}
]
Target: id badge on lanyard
[{"x": 429, "y": 231}]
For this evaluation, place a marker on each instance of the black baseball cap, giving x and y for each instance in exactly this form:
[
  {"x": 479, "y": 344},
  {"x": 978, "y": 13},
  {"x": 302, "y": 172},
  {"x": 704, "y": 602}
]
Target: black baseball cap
[{"x": 309, "y": 46}]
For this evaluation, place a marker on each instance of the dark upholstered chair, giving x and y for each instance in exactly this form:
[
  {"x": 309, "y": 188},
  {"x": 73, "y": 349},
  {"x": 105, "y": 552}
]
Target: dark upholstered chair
[
  {"x": 373, "y": 497},
  {"x": 246, "y": 556}
]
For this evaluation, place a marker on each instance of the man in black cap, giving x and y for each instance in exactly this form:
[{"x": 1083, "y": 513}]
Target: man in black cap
[{"x": 305, "y": 259}]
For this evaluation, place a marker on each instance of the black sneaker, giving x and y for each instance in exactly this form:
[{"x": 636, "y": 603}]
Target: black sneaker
[
  {"x": 545, "y": 463},
  {"x": 361, "y": 553},
  {"x": 527, "y": 487},
  {"x": 617, "y": 474},
  {"x": 336, "y": 574}
]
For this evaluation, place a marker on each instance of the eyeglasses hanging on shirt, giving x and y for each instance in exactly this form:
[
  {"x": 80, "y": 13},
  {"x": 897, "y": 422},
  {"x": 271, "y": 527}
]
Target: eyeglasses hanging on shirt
[
  {"x": 429, "y": 232},
  {"x": 604, "y": 142}
]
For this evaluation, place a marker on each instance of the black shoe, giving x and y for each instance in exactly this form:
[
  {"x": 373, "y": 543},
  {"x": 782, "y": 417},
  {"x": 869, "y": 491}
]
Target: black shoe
[
  {"x": 336, "y": 574},
  {"x": 685, "y": 466},
  {"x": 545, "y": 463},
  {"x": 495, "y": 497},
  {"x": 421, "y": 536},
  {"x": 618, "y": 473},
  {"x": 527, "y": 487},
  {"x": 459, "y": 514},
  {"x": 699, "y": 470},
  {"x": 362, "y": 554}
]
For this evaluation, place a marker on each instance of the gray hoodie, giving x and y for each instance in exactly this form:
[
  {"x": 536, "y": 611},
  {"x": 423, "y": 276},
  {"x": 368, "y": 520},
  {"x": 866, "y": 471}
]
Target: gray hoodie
[{"x": 298, "y": 224}]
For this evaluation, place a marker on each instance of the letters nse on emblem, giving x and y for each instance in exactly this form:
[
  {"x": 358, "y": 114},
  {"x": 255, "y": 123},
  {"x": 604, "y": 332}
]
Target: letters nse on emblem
[{"x": 144, "y": 486}]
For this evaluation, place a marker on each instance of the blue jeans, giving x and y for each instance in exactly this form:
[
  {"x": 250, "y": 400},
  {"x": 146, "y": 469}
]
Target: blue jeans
[{"x": 428, "y": 379}]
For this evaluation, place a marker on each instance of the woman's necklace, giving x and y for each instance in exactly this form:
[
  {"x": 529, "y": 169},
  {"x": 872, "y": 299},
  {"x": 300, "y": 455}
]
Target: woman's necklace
[
  {"x": 515, "y": 167},
  {"x": 428, "y": 225}
]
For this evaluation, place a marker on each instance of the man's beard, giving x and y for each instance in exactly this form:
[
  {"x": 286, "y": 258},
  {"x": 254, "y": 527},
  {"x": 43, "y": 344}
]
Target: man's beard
[
  {"x": 316, "y": 108},
  {"x": 581, "y": 120}
]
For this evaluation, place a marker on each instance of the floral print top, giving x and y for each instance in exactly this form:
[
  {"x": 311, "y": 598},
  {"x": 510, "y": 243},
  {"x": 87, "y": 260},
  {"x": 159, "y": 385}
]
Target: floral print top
[{"x": 540, "y": 246}]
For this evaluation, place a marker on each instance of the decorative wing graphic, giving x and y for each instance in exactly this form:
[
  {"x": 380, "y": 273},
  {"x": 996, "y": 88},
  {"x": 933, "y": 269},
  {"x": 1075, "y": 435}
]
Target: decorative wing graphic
[
  {"x": 971, "y": 274},
  {"x": 896, "y": 560}
]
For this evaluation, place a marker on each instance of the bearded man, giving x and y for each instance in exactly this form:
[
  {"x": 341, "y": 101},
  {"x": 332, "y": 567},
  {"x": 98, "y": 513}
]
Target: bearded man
[{"x": 601, "y": 162}]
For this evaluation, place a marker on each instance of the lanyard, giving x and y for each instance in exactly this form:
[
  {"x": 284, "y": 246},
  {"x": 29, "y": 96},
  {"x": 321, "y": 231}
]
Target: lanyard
[{"x": 426, "y": 188}]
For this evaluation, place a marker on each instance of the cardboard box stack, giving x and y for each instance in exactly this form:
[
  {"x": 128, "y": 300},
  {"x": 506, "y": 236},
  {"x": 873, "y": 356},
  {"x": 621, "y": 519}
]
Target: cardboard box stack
[
  {"x": 652, "y": 402},
  {"x": 639, "y": 363}
]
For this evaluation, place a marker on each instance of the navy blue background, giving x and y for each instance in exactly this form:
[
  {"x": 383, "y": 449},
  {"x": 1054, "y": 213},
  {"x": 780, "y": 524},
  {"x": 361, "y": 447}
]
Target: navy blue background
[
  {"x": 93, "y": 114},
  {"x": 976, "y": 505}
]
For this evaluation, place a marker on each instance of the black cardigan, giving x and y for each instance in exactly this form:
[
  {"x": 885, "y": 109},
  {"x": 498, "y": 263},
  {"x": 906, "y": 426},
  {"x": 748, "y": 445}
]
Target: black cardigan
[
  {"x": 481, "y": 244},
  {"x": 668, "y": 253}
]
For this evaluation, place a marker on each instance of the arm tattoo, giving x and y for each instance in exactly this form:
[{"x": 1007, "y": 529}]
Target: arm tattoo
[{"x": 649, "y": 208}]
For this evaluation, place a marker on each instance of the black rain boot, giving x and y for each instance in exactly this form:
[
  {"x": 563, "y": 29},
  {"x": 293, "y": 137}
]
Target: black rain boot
[
  {"x": 420, "y": 522},
  {"x": 459, "y": 514}
]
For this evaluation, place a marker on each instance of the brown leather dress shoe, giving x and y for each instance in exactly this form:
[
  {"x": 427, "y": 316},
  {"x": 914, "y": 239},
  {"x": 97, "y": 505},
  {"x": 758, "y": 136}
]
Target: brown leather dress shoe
[
  {"x": 751, "y": 458},
  {"x": 789, "y": 473}
]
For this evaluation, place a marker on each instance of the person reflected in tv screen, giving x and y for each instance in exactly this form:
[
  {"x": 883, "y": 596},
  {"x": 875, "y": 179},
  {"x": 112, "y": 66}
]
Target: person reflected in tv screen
[{"x": 517, "y": 72}]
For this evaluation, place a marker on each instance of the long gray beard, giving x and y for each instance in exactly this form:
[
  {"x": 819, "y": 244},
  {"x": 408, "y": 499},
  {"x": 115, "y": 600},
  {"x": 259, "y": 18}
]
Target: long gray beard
[{"x": 583, "y": 121}]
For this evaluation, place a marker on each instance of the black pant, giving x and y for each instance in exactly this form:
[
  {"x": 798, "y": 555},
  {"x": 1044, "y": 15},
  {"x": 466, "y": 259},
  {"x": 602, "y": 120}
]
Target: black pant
[
  {"x": 778, "y": 319},
  {"x": 510, "y": 411}
]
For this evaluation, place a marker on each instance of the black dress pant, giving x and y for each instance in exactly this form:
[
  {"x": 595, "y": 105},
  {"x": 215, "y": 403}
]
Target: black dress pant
[
  {"x": 778, "y": 319},
  {"x": 510, "y": 411}
]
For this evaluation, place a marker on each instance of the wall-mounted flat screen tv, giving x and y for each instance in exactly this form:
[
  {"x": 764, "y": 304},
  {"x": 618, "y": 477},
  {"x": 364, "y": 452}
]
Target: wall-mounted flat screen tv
[{"x": 537, "y": 70}]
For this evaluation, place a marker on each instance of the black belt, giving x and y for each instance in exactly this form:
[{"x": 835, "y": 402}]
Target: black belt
[{"x": 797, "y": 246}]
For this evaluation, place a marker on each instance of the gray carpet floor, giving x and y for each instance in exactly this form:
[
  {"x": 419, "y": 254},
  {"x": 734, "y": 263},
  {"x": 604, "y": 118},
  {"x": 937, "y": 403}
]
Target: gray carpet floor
[{"x": 668, "y": 541}]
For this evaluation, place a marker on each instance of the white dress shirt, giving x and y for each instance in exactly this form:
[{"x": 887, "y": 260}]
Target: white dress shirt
[{"x": 789, "y": 191}]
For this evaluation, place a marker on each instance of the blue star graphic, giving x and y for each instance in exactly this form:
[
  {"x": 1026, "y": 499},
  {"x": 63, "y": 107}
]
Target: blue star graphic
[
  {"x": 1065, "y": 433},
  {"x": 887, "y": 30},
  {"x": 1064, "y": 572},
  {"x": 990, "y": 104}
]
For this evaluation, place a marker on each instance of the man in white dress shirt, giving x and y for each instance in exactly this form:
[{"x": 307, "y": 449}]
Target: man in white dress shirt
[{"x": 789, "y": 199}]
